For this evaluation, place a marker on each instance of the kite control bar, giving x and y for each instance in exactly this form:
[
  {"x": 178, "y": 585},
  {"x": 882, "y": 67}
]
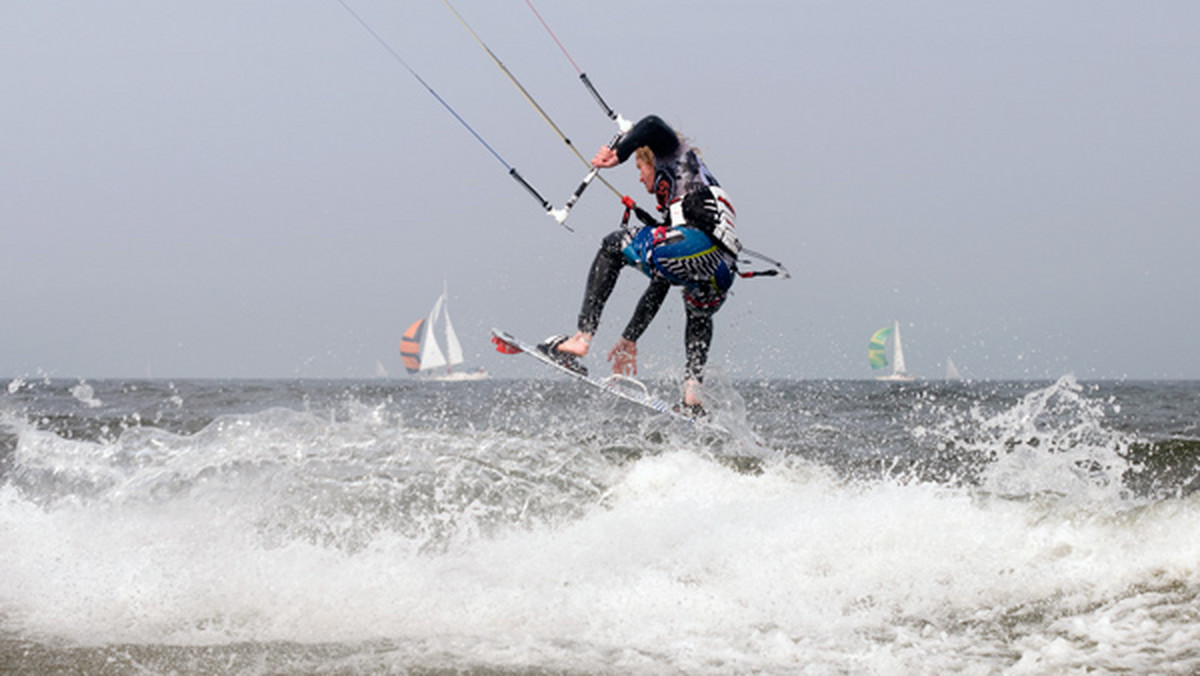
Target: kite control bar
[{"x": 560, "y": 215}]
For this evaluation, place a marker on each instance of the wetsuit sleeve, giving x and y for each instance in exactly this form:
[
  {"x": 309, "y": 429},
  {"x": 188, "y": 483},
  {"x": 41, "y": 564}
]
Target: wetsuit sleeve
[
  {"x": 647, "y": 308},
  {"x": 652, "y": 132}
]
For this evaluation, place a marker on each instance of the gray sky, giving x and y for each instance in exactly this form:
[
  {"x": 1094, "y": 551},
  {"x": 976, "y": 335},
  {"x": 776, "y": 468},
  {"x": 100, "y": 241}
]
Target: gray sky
[{"x": 257, "y": 189}]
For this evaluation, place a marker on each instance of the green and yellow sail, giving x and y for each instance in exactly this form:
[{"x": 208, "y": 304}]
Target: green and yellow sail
[{"x": 877, "y": 349}]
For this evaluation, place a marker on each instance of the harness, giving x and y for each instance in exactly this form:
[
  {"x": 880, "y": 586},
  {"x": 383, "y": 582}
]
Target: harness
[{"x": 722, "y": 234}]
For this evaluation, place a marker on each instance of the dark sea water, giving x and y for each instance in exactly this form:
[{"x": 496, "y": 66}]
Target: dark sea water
[{"x": 512, "y": 527}]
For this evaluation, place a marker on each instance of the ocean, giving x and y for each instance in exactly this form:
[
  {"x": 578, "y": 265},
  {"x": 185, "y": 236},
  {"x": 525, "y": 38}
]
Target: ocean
[{"x": 536, "y": 527}]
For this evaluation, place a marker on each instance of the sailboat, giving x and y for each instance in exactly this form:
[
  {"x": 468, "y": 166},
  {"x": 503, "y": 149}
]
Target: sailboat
[
  {"x": 423, "y": 356},
  {"x": 952, "y": 370},
  {"x": 877, "y": 354}
]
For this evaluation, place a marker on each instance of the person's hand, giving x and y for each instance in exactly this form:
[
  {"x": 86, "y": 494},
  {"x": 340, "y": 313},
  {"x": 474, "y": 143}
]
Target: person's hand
[
  {"x": 624, "y": 358},
  {"x": 605, "y": 158}
]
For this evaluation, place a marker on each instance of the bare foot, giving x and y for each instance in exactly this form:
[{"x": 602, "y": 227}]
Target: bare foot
[
  {"x": 577, "y": 344},
  {"x": 691, "y": 392}
]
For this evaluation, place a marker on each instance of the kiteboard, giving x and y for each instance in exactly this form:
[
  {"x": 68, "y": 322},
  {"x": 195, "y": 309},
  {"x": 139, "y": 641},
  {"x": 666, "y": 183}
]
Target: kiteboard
[{"x": 623, "y": 387}]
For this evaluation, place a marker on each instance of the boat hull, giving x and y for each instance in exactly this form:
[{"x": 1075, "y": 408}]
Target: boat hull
[{"x": 455, "y": 376}]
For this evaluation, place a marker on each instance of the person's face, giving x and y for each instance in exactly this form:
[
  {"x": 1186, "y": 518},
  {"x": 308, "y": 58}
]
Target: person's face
[{"x": 647, "y": 175}]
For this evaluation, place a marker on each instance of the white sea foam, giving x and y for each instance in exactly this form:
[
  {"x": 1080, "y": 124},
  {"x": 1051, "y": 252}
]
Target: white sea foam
[{"x": 479, "y": 548}]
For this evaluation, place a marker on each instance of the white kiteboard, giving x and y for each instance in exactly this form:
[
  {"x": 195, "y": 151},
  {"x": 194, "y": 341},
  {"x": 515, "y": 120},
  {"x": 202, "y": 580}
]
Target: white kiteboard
[{"x": 624, "y": 387}]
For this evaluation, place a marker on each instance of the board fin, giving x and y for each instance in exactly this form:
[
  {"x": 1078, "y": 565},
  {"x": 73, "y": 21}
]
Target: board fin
[{"x": 505, "y": 347}]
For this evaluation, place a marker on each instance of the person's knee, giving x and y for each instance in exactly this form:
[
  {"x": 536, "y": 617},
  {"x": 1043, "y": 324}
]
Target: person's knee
[
  {"x": 613, "y": 242},
  {"x": 701, "y": 304}
]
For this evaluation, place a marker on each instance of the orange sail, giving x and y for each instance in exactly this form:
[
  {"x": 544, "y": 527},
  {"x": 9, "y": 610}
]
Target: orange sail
[{"x": 410, "y": 346}]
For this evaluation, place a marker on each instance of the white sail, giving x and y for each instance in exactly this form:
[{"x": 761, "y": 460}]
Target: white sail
[
  {"x": 952, "y": 370},
  {"x": 898, "y": 354},
  {"x": 431, "y": 354},
  {"x": 454, "y": 353}
]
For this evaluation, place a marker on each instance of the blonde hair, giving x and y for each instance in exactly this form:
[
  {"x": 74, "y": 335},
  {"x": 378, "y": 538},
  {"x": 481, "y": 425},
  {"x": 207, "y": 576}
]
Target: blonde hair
[{"x": 644, "y": 154}]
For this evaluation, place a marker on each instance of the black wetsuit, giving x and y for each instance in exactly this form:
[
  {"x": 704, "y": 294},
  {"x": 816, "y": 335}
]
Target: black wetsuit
[{"x": 678, "y": 172}]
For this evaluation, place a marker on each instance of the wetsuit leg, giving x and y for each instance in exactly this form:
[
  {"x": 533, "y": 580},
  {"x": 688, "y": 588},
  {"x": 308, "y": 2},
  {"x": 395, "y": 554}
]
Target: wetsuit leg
[
  {"x": 700, "y": 303},
  {"x": 647, "y": 308},
  {"x": 697, "y": 339},
  {"x": 602, "y": 279}
]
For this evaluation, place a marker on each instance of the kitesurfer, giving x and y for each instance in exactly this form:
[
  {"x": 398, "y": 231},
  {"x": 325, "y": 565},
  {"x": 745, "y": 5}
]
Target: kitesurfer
[{"x": 694, "y": 247}]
